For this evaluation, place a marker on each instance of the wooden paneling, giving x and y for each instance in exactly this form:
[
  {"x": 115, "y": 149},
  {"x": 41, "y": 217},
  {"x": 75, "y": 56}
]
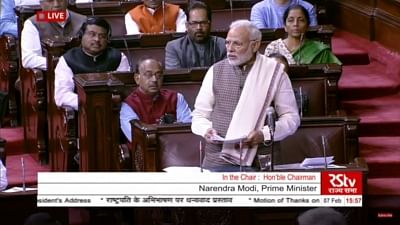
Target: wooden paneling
[
  {"x": 353, "y": 16},
  {"x": 387, "y": 24},
  {"x": 390, "y": 6},
  {"x": 376, "y": 20}
]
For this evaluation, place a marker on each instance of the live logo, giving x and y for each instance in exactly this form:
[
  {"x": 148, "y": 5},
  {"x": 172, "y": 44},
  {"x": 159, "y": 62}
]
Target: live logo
[{"x": 51, "y": 16}]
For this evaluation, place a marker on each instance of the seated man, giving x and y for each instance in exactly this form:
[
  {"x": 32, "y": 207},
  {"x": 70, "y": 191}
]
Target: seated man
[
  {"x": 149, "y": 103},
  {"x": 93, "y": 56},
  {"x": 8, "y": 19},
  {"x": 155, "y": 16},
  {"x": 34, "y": 32},
  {"x": 197, "y": 48},
  {"x": 234, "y": 98},
  {"x": 269, "y": 13}
]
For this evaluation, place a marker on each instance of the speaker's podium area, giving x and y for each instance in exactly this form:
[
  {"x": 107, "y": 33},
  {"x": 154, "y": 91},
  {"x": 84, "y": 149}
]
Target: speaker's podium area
[{"x": 354, "y": 105}]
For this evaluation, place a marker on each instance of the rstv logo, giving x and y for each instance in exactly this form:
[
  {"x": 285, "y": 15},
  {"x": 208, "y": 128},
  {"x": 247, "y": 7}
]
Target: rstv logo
[
  {"x": 341, "y": 183},
  {"x": 51, "y": 16}
]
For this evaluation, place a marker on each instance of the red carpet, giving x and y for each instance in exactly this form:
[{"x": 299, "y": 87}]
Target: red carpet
[
  {"x": 371, "y": 91},
  {"x": 14, "y": 138},
  {"x": 379, "y": 116},
  {"x": 32, "y": 167}
]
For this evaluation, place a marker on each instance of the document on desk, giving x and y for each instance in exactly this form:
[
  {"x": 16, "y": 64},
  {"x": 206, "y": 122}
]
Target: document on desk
[
  {"x": 317, "y": 161},
  {"x": 18, "y": 189},
  {"x": 185, "y": 169},
  {"x": 221, "y": 140}
]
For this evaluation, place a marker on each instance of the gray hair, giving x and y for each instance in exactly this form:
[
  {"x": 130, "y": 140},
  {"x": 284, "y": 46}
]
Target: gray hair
[{"x": 255, "y": 33}]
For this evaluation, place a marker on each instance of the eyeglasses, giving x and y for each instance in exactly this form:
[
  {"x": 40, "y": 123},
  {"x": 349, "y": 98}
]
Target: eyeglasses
[
  {"x": 201, "y": 23},
  {"x": 235, "y": 44},
  {"x": 149, "y": 75},
  {"x": 93, "y": 34}
]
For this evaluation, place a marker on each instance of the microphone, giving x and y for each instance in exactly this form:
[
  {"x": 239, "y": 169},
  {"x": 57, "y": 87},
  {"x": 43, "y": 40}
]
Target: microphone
[
  {"x": 301, "y": 101},
  {"x": 324, "y": 146},
  {"x": 163, "y": 13},
  {"x": 271, "y": 125},
  {"x": 201, "y": 157},
  {"x": 271, "y": 119},
  {"x": 240, "y": 155},
  {"x": 128, "y": 54},
  {"x": 301, "y": 44},
  {"x": 23, "y": 174},
  {"x": 92, "y": 8},
  {"x": 231, "y": 8}
]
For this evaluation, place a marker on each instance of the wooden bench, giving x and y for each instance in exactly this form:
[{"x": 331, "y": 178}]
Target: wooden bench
[
  {"x": 9, "y": 74},
  {"x": 159, "y": 146}
]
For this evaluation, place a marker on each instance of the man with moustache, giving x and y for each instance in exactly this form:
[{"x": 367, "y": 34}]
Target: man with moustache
[
  {"x": 155, "y": 16},
  {"x": 233, "y": 99},
  {"x": 150, "y": 103},
  {"x": 197, "y": 48},
  {"x": 92, "y": 56}
]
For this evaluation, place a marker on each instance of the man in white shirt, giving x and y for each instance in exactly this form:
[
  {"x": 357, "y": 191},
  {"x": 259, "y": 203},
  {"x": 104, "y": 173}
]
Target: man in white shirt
[
  {"x": 234, "y": 97},
  {"x": 155, "y": 16},
  {"x": 3, "y": 176},
  {"x": 34, "y": 32},
  {"x": 93, "y": 56}
]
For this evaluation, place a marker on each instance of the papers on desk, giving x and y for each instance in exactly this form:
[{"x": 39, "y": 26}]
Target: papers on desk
[
  {"x": 184, "y": 169},
  {"x": 18, "y": 189},
  {"x": 219, "y": 139},
  {"x": 311, "y": 163},
  {"x": 297, "y": 166},
  {"x": 317, "y": 162}
]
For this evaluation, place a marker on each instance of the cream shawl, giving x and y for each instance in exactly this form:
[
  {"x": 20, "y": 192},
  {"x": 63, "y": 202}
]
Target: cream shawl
[{"x": 258, "y": 92}]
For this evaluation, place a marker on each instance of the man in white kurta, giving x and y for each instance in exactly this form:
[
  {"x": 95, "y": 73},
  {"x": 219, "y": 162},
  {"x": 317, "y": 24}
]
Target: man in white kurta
[{"x": 234, "y": 96}]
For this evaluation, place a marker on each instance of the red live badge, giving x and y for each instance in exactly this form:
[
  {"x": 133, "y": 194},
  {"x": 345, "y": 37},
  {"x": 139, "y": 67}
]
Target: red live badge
[{"x": 51, "y": 16}]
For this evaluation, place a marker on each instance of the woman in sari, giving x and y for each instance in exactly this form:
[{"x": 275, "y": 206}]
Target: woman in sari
[{"x": 296, "y": 48}]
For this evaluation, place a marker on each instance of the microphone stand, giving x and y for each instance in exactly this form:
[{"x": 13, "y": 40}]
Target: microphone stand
[
  {"x": 324, "y": 143},
  {"x": 240, "y": 155},
  {"x": 301, "y": 45},
  {"x": 231, "y": 8},
  {"x": 163, "y": 13},
  {"x": 128, "y": 54},
  {"x": 301, "y": 101},
  {"x": 92, "y": 8},
  {"x": 272, "y": 133},
  {"x": 201, "y": 157},
  {"x": 23, "y": 174}
]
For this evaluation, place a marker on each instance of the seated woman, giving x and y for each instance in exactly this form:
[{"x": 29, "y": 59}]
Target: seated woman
[{"x": 296, "y": 48}]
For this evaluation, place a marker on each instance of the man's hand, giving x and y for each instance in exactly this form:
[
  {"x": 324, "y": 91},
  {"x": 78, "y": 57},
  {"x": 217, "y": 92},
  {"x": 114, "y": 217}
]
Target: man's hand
[
  {"x": 254, "y": 138},
  {"x": 210, "y": 133}
]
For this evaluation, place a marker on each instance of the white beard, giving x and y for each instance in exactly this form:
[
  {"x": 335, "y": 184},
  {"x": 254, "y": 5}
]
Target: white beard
[{"x": 242, "y": 59}]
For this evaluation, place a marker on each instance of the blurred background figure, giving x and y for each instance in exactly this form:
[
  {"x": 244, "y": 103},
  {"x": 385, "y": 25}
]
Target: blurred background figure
[
  {"x": 269, "y": 13},
  {"x": 41, "y": 219},
  {"x": 155, "y": 16},
  {"x": 321, "y": 216}
]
